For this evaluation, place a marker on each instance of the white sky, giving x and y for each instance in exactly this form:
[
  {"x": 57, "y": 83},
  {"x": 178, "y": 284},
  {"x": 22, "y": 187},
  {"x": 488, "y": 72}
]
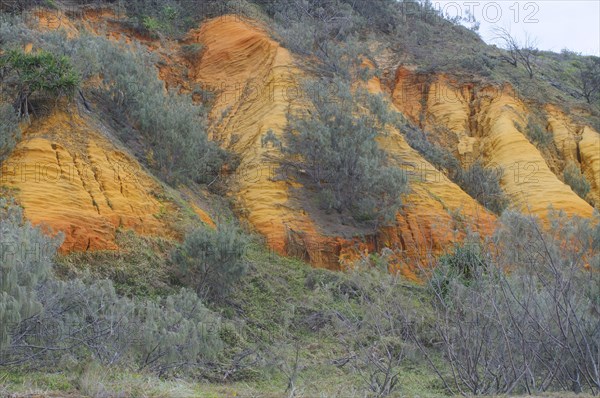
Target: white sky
[{"x": 555, "y": 24}]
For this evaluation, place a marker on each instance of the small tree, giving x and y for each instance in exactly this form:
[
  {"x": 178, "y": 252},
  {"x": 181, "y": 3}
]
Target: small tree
[
  {"x": 213, "y": 260},
  {"x": 588, "y": 78},
  {"x": 334, "y": 143},
  {"x": 41, "y": 72},
  {"x": 515, "y": 51}
]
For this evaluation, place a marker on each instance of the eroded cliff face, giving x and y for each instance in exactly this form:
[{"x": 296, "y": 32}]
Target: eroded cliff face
[
  {"x": 256, "y": 83},
  {"x": 70, "y": 178},
  {"x": 579, "y": 144},
  {"x": 260, "y": 84},
  {"x": 486, "y": 122}
]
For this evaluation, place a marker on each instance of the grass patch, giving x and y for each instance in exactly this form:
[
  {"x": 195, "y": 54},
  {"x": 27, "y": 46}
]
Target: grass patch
[{"x": 138, "y": 268}]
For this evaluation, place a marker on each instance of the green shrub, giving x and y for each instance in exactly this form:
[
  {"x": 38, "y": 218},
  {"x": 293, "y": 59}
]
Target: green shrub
[
  {"x": 484, "y": 186},
  {"x": 192, "y": 52},
  {"x": 212, "y": 260},
  {"x": 24, "y": 75},
  {"x": 173, "y": 126},
  {"x": 519, "y": 302},
  {"x": 437, "y": 155},
  {"x": 43, "y": 320},
  {"x": 538, "y": 134},
  {"x": 334, "y": 144},
  {"x": 576, "y": 180},
  {"x": 465, "y": 262},
  {"x": 480, "y": 183},
  {"x": 10, "y": 133},
  {"x": 26, "y": 261},
  {"x": 175, "y": 17},
  {"x": 178, "y": 332},
  {"x": 152, "y": 25}
]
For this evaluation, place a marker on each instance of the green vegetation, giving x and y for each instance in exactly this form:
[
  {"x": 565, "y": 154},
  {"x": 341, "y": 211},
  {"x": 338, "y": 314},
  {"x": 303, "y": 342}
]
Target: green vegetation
[
  {"x": 218, "y": 315},
  {"x": 335, "y": 145},
  {"x": 25, "y": 75},
  {"x": 528, "y": 330},
  {"x": 483, "y": 185},
  {"x": 44, "y": 318},
  {"x": 212, "y": 261},
  {"x": 172, "y": 125},
  {"x": 288, "y": 328},
  {"x": 576, "y": 180},
  {"x": 9, "y": 130},
  {"x": 538, "y": 134}
]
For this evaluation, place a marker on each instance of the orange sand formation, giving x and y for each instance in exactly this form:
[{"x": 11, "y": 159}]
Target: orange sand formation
[
  {"x": 70, "y": 178},
  {"x": 486, "y": 122},
  {"x": 259, "y": 83},
  {"x": 256, "y": 83}
]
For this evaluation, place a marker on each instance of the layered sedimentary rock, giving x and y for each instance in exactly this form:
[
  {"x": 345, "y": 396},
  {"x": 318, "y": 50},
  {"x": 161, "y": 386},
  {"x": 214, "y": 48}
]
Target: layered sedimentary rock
[
  {"x": 258, "y": 84},
  {"x": 488, "y": 123},
  {"x": 70, "y": 178},
  {"x": 81, "y": 191}
]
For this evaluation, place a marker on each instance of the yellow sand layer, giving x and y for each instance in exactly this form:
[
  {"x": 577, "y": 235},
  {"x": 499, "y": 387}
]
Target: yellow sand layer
[{"x": 68, "y": 177}]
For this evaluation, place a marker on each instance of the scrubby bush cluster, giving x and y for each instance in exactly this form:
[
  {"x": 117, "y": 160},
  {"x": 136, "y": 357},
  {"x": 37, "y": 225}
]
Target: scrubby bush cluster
[
  {"x": 44, "y": 320},
  {"x": 334, "y": 143},
  {"x": 537, "y": 133},
  {"x": 173, "y": 18},
  {"x": 173, "y": 126},
  {"x": 212, "y": 261},
  {"x": 483, "y": 185},
  {"x": 576, "y": 180},
  {"x": 377, "y": 340},
  {"x": 9, "y": 130},
  {"x": 524, "y": 319}
]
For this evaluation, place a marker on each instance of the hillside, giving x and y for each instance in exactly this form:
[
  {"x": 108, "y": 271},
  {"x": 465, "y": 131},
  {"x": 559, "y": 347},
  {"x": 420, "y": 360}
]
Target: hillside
[{"x": 196, "y": 167}]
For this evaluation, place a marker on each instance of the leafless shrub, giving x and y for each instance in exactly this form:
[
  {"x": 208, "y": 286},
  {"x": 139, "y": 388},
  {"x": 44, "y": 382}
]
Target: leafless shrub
[
  {"x": 377, "y": 337},
  {"x": 516, "y": 52},
  {"x": 525, "y": 318}
]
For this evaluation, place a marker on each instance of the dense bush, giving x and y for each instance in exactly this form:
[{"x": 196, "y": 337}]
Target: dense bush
[
  {"x": 173, "y": 126},
  {"x": 9, "y": 130},
  {"x": 376, "y": 339},
  {"x": 480, "y": 183},
  {"x": 44, "y": 319},
  {"x": 24, "y": 75},
  {"x": 537, "y": 133},
  {"x": 212, "y": 261},
  {"x": 26, "y": 263},
  {"x": 311, "y": 27},
  {"x": 576, "y": 180},
  {"x": 437, "y": 155},
  {"x": 335, "y": 144},
  {"x": 175, "y": 17},
  {"x": 464, "y": 262},
  {"x": 527, "y": 319},
  {"x": 484, "y": 186}
]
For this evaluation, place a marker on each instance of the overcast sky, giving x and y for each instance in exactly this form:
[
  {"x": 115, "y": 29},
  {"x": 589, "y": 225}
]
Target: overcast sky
[{"x": 556, "y": 24}]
